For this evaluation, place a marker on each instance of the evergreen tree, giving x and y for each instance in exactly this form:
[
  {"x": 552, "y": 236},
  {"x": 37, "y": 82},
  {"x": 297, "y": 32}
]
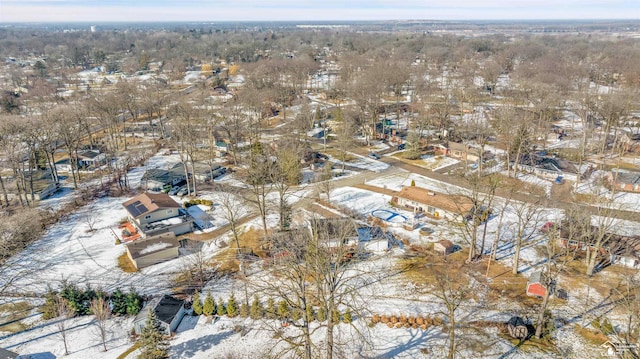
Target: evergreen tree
[
  {"x": 152, "y": 342},
  {"x": 86, "y": 296},
  {"x": 257, "y": 311},
  {"x": 232, "y": 307},
  {"x": 336, "y": 316},
  {"x": 347, "y": 318},
  {"x": 244, "y": 310},
  {"x": 133, "y": 302},
  {"x": 271, "y": 308},
  {"x": 119, "y": 303},
  {"x": 221, "y": 309},
  {"x": 50, "y": 307},
  {"x": 309, "y": 313},
  {"x": 322, "y": 314},
  {"x": 296, "y": 314},
  {"x": 73, "y": 296},
  {"x": 283, "y": 310},
  {"x": 209, "y": 306},
  {"x": 197, "y": 304}
]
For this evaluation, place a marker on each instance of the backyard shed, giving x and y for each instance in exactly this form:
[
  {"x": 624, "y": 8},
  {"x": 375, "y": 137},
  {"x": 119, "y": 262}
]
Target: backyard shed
[
  {"x": 536, "y": 286},
  {"x": 443, "y": 247}
]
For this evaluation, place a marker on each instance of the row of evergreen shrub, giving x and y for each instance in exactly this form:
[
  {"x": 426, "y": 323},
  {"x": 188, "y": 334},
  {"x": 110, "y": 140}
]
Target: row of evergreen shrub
[
  {"x": 256, "y": 310},
  {"x": 196, "y": 201}
]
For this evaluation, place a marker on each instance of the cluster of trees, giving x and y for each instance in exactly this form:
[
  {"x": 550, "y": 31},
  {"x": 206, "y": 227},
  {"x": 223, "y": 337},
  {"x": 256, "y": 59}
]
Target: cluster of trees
[
  {"x": 312, "y": 282},
  {"x": 72, "y": 301},
  {"x": 80, "y": 301}
]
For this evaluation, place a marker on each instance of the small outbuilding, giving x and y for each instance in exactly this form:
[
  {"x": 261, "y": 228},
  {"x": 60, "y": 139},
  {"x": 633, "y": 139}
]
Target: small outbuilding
[
  {"x": 153, "y": 250},
  {"x": 517, "y": 328},
  {"x": 443, "y": 247},
  {"x": 537, "y": 285},
  {"x": 168, "y": 310}
]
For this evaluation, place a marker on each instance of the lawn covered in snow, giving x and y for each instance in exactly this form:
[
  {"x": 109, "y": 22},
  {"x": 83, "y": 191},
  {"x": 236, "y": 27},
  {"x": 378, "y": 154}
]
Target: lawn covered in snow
[{"x": 362, "y": 162}]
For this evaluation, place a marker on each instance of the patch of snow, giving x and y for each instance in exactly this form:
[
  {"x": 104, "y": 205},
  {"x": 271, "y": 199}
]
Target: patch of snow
[{"x": 155, "y": 247}]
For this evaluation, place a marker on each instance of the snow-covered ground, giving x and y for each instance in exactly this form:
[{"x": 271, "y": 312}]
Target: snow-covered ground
[
  {"x": 43, "y": 341},
  {"x": 69, "y": 251},
  {"x": 363, "y": 162},
  {"x": 435, "y": 163},
  {"x": 402, "y": 178},
  {"x": 535, "y": 180},
  {"x": 627, "y": 201}
]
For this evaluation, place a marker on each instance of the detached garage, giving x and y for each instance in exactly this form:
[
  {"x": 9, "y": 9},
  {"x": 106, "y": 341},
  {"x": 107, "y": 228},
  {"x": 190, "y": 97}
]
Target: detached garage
[{"x": 153, "y": 250}]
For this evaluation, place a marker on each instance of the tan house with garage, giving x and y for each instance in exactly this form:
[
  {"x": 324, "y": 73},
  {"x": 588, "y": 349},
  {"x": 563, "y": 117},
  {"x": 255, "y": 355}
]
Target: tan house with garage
[
  {"x": 436, "y": 205},
  {"x": 153, "y": 250},
  {"x": 157, "y": 213}
]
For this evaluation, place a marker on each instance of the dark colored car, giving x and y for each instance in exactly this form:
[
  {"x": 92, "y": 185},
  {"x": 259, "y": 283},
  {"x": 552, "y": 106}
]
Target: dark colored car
[{"x": 481, "y": 214}]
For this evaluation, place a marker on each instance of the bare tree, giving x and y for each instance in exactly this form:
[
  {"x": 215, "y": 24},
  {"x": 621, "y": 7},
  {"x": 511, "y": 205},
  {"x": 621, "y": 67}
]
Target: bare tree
[
  {"x": 345, "y": 131},
  {"x": 65, "y": 312},
  {"x": 316, "y": 274},
  {"x": 553, "y": 266},
  {"x": 102, "y": 312},
  {"x": 287, "y": 174},
  {"x": 529, "y": 216},
  {"x": 232, "y": 211},
  {"x": 186, "y": 135},
  {"x": 324, "y": 181},
  {"x": 291, "y": 284},
  {"x": 452, "y": 292},
  {"x": 90, "y": 218}
]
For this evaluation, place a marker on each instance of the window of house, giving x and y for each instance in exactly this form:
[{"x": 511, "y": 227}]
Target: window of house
[
  {"x": 431, "y": 209},
  {"x": 169, "y": 211},
  {"x": 147, "y": 216}
]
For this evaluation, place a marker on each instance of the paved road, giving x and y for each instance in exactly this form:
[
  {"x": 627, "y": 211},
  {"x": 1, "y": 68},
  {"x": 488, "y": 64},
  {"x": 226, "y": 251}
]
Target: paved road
[{"x": 553, "y": 202}]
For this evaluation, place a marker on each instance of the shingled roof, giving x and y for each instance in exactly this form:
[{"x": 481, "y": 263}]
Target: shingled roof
[
  {"x": 450, "y": 203},
  {"x": 146, "y": 203},
  {"x": 144, "y": 247}
]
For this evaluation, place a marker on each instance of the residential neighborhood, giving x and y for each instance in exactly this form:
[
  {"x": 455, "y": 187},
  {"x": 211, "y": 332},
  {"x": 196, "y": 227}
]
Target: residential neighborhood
[{"x": 375, "y": 189}]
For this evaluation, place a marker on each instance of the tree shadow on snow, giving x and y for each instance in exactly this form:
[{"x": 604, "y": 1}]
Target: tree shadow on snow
[
  {"x": 416, "y": 339},
  {"x": 196, "y": 346}
]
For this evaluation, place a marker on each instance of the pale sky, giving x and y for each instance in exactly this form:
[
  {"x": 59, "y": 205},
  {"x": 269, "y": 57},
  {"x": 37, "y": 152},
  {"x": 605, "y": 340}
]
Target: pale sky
[{"x": 310, "y": 10}]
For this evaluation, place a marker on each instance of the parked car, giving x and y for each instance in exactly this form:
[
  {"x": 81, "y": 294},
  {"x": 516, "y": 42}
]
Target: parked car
[
  {"x": 174, "y": 190},
  {"x": 426, "y": 231},
  {"x": 182, "y": 192},
  {"x": 166, "y": 188},
  {"x": 482, "y": 213},
  {"x": 218, "y": 172},
  {"x": 374, "y": 155}
]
